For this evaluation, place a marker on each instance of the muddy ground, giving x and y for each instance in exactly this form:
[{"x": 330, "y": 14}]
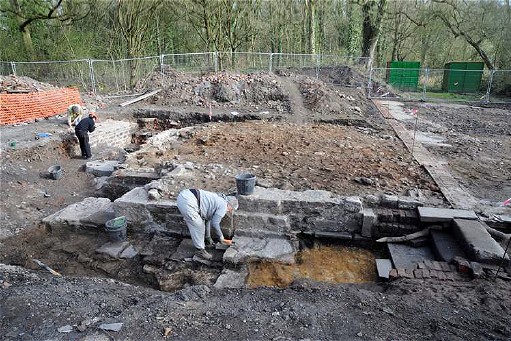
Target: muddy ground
[{"x": 292, "y": 131}]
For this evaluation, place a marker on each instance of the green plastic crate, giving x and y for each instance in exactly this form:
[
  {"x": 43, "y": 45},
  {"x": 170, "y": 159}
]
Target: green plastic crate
[
  {"x": 403, "y": 75},
  {"x": 462, "y": 77}
]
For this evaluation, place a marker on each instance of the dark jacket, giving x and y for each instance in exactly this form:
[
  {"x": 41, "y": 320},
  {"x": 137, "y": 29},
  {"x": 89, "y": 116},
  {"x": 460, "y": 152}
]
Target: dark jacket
[{"x": 87, "y": 124}]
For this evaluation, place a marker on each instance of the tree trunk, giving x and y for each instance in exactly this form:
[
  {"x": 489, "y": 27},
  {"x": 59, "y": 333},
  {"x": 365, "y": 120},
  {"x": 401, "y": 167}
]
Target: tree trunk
[
  {"x": 24, "y": 29},
  {"x": 371, "y": 28},
  {"x": 311, "y": 25}
]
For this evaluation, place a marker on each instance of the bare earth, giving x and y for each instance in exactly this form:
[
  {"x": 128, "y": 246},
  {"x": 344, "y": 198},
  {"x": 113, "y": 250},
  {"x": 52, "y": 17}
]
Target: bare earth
[{"x": 302, "y": 134}]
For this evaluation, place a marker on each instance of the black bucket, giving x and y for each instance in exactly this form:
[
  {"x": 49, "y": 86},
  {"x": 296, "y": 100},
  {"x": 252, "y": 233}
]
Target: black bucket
[
  {"x": 116, "y": 229},
  {"x": 55, "y": 172},
  {"x": 245, "y": 183}
]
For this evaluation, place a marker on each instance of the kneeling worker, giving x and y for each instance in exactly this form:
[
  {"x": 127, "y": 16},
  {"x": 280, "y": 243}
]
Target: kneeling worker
[
  {"x": 201, "y": 210},
  {"x": 74, "y": 115}
]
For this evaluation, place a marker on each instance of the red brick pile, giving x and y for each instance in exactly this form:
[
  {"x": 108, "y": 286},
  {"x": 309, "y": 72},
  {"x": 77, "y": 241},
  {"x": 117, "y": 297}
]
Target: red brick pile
[{"x": 29, "y": 101}]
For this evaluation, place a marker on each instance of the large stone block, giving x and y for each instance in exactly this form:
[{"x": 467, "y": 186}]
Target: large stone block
[
  {"x": 261, "y": 221},
  {"x": 90, "y": 213},
  {"x": 248, "y": 249},
  {"x": 441, "y": 215},
  {"x": 477, "y": 242}
]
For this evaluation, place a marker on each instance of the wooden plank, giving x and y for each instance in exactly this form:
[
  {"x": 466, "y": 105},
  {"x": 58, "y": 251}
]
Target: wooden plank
[{"x": 131, "y": 101}]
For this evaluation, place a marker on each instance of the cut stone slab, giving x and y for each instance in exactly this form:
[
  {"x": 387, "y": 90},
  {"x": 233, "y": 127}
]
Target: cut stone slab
[
  {"x": 256, "y": 249},
  {"x": 407, "y": 257},
  {"x": 444, "y": 215},
  {"x": 477, "y": 242},
  {"x": 101, "y": 168},
  {"x": 129, "y": 252},
  {"x": 231, "y": 279},
  {"x": 113, "y": 249},
  {"x": 383, "y": 266},
  {"x": 445, "y": 246},
  {"x": 89, "y": 213}
]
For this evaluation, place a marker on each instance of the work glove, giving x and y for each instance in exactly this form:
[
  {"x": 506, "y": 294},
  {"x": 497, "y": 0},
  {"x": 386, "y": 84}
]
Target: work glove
[{"x": 209, "y": 241}]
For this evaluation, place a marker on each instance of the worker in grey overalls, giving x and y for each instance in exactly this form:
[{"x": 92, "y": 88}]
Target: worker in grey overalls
[{"x": 201, "y": 210}]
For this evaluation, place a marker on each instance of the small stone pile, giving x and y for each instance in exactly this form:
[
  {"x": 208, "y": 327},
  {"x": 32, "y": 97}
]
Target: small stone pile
[{"x": 21, "y": 84}]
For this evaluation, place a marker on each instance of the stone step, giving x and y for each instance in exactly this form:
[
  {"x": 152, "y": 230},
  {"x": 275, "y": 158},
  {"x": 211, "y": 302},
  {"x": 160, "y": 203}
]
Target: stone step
[
  {"x": 248, "y": 249},
  {"x": 383, "y": 266},
  {"x": 477, "y": 242},
  {"x": 407, "y": 257},
  {"x": 444, "y": 215},
  {"x": 445, "y": 246}
]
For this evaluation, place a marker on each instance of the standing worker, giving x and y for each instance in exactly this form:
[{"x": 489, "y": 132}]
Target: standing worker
[
  {"x": 201, "y": 210},
  {"x": 74, "y": 115},
  {"x": 82, "y": 130}
]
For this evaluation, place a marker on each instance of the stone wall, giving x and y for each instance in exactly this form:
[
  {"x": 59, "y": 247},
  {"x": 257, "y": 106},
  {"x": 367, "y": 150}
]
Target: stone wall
[{"x": 266, "y": 211}]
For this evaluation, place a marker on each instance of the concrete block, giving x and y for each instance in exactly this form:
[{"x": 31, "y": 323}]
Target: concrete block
[
  {"x": 368, "y": 221},
  {"x": 477, "y": 242},
  {"x": 407, "y": 257},
  {"x": 383, "y": 266},
  {"x": 434, "y": 215},
  {"x": 445, "y": 246}
]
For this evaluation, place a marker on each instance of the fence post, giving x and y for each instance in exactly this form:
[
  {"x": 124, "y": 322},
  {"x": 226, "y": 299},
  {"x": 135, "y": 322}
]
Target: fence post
[
  {"x": 426, "y": 78},
  {"x": 318, "y": 62},
  {"x": 215, "y": 60},
  {"x": 13, "y": 67},
  {"x": 488, "y": 89},
  {"x": 91, "y": 74},
  {"x": 370, "y": 81},
  {"x": 270, "y": 63}
]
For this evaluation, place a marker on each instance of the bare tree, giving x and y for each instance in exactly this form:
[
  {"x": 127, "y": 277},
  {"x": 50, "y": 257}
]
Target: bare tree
[
  {"x": 134, "y": 18},
  {"x": 26, "y": 12},
  {"x": 465, "y": 20}
]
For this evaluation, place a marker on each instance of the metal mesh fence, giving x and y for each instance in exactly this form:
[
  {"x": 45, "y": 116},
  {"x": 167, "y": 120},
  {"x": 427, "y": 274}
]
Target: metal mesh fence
[
  {"x": 499, "y": 90},
  {"x": 191, "y": 62},
  {"x": 73, "y": 73},
  {"x": 444, "y": 85},
  {"x": 122, "y": 76}
]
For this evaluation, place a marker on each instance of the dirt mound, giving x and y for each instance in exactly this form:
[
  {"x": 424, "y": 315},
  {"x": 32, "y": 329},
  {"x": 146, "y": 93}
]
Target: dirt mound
[
  {"x": 256, "y": 92},
  {"x": 12, "y": 83}
]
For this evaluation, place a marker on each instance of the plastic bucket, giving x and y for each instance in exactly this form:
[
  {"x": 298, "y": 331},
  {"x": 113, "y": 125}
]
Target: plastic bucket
[
  {"x": 116, "y": 229},
  {"x": 245, "y": 183},
  {"x": 55, "y": 172}
]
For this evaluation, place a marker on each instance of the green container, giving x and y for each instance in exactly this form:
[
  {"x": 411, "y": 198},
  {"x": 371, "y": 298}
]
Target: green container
[
  {"x": 403, "y": 75},
  {"x": 462, "y": 77}
]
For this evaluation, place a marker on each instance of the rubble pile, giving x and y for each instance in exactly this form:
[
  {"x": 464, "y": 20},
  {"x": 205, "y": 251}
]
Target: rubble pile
[
  {"x": 255, "y": 91},
  {"x": 21, "y": 84}
]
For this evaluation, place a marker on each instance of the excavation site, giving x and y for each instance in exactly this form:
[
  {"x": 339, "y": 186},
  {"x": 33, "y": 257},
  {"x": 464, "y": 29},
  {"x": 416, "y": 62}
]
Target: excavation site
[{"x": 357, "y": 218}]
